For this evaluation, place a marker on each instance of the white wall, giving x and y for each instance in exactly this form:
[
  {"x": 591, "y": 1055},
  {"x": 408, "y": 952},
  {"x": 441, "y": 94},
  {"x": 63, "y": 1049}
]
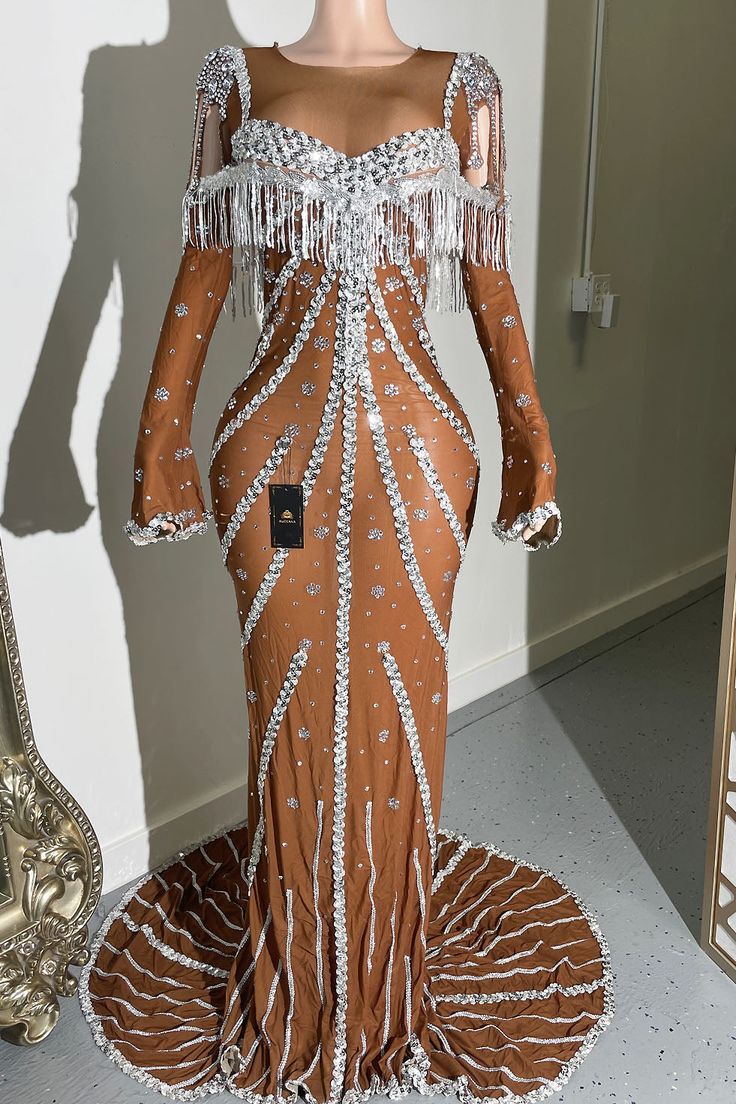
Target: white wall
[{"x": 131, "y": 655}]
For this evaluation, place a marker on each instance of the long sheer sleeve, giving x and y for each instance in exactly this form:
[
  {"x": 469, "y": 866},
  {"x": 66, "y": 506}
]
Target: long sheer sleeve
[
  {"x": 529, "y": 468},
  {"x": 167, "y": 485}
]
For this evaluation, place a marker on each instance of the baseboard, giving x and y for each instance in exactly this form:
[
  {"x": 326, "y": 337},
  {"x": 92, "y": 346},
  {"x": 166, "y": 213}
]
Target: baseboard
[
  {"x": 501, "y": 670},
  {"x": 129, "y": 858}
]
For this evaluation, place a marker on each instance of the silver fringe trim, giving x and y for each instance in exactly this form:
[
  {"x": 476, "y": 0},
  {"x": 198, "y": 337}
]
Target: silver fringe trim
[{"x": 438, "y": 215}]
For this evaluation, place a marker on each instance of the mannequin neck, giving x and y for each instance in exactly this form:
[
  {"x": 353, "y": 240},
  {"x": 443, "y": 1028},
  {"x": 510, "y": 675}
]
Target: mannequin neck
[{"x": 349, "y": 32}]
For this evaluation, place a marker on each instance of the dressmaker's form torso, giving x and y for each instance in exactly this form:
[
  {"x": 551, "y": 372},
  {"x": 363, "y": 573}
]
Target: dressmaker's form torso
[
  {"x": 342, "y": 943},
  {"x": 352, "y": 109}
]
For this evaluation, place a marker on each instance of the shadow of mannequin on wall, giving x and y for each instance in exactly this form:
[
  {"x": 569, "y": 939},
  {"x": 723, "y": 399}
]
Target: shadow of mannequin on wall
[{"x": 181, "y": 627}]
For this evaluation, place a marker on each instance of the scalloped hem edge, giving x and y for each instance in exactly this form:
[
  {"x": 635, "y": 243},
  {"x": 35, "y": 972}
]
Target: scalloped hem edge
[
  {"x": 530, "y": 517},
  {"x": 152, "y": 533},
  {"x": 412, "y": 1074}
]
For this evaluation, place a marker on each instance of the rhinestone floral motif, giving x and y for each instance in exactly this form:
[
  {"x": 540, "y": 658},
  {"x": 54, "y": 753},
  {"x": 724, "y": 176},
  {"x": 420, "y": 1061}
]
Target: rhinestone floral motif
[
  {"x": 161, "y": 394},
  {"x": 401, "y": 520},
  {"x": 419, "y": 449},
  {"x": 310, "y": 316},
  {"x": 523, "y": 399},
  {"x": 298, "y": 662},
  {"x": 248, "y": 500},
  {"x": 407, "y": 718},
  {"x": 270, "y": 315},
  {"x": 413, "y": 372},
  {"x": 180, "y": 310},
  {"x": 322, "y": 440}
]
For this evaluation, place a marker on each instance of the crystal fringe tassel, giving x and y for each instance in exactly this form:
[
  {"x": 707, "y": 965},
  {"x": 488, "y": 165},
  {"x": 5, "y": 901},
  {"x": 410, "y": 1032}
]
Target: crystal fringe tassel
[{"x": 438, "y": 216}]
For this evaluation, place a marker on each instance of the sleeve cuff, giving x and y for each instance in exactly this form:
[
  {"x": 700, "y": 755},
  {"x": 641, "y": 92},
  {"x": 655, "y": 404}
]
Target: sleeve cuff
[
  {"x": 152, "y": 533},
  {"x": 531, "y": 517}
]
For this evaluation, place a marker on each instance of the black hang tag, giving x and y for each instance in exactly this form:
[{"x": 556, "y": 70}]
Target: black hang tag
[{"x": 286, "y": 506}]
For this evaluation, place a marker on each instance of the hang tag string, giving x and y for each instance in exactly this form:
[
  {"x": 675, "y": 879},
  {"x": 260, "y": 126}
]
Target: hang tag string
[{"x": 286, "y": 471}]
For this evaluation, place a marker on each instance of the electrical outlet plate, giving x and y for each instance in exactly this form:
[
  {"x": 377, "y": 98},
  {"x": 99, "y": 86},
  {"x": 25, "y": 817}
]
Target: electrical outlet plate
[
  {"x": 589, "y": 292},
  {"x": 600, "y": 286}
]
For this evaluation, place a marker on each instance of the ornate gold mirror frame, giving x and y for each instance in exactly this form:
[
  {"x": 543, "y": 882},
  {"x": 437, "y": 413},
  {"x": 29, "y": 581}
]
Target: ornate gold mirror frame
[
  {"x": 50, "y": 864},
  {"x": 719, "y": 911}
]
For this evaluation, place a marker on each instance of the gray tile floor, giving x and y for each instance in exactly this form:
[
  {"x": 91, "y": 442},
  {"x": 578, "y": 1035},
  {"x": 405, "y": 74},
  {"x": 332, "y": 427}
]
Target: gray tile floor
[{"x": 596, "y": 766}]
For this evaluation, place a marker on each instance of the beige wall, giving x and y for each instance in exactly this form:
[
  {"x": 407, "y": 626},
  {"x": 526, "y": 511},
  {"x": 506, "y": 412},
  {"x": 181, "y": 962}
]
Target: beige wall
[
  {"x": 131, "y": 655},
  {"x": 643, "y": 413}
]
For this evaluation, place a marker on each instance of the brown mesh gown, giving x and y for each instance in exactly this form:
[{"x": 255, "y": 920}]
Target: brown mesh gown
[{"x": 338, "y": 942}]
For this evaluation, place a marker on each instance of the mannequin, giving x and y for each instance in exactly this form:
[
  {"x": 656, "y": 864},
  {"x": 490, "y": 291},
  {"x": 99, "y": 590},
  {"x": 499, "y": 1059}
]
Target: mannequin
[
  {"x": 358, "y": 33},
  {"x": 349, "y": 33}
]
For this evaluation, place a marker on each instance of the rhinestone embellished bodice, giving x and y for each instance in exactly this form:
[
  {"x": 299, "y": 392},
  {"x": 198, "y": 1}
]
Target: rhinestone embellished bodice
[
  {"x": 404, "y": 197},
  {"x": 424, "y": 150}
]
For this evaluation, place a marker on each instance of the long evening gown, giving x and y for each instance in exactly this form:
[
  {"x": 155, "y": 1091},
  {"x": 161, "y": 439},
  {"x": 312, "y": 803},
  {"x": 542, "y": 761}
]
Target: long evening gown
[{"x": 339, "y": 942}]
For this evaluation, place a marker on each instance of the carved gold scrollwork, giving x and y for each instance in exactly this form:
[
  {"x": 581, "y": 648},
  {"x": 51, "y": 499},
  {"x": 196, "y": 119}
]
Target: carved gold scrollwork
[
  {"x": 51, "y": 866},
  {"x": 718, "y": 931}
]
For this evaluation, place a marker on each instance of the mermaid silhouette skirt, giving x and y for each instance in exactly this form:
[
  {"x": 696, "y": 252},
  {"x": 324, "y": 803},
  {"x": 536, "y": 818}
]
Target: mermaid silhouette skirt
[{"x": 339, "y": 942}]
